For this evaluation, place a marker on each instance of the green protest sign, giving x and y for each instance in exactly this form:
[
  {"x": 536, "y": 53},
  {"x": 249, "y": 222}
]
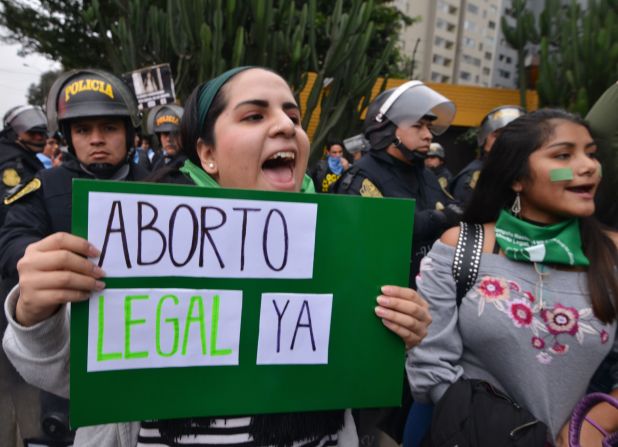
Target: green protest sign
[{"x": 228, "y": 302}]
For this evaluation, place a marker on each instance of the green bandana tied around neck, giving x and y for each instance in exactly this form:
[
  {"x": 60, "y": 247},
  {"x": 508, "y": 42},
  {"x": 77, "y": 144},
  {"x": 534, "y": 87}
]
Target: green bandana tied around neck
[
  {"x": 201, "y": 178},
  {"x": 552, "y": 244},
  {"x": 198, "y": 175}
]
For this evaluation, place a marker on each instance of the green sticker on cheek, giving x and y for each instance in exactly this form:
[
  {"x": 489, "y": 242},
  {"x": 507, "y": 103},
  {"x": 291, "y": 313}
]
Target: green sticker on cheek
[{"x": 561, "y": 174}]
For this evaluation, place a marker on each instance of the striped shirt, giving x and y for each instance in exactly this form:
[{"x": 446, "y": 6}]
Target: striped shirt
[{"x": 231, "y": 432}]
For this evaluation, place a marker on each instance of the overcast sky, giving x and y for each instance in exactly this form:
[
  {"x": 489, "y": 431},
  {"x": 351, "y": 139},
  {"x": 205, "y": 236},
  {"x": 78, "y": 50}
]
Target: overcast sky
[{"x": 16, "y": 75}]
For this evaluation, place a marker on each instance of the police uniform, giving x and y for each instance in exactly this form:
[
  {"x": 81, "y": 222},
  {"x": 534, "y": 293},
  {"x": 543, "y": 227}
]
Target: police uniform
[
  {"x": 444, "y": 176},
  {"x": 42, "y": 207},
  {"x": 378, "y": 174},
  {"x": 463, "y": 184},
  {"x": 161, "y": 159},
  {"x": 17, "y": 166}
]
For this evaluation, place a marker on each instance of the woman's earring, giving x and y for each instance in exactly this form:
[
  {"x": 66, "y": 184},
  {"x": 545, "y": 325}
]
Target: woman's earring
[
  {"x": 516, "y": 207},
  {"x": 211, "y": 165}
]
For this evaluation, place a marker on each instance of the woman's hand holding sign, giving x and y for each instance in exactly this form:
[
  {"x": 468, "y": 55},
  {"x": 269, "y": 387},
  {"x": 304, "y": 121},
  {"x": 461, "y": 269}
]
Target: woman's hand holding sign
[
  {"x": 404, "y": 312},
  {"x": 55, "y": 271}
]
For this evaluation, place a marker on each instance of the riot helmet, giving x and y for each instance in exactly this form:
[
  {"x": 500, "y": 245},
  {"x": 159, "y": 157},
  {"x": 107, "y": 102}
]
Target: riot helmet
[
  {"x": 25, "y": 119},
  {"x": 91, "y": 93},
  {"x": 404, "y": 106},
  {"x": 165, "y": 118},
  {"x": 436, "y": 150},
  {"x": 22, "y": 119},
  {"x": 497, "y": 119},
  {"x": 162, "y": 120}
]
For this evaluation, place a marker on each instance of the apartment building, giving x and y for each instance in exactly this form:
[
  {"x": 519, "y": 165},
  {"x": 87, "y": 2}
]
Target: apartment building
[{"x": 460, "y": 42}]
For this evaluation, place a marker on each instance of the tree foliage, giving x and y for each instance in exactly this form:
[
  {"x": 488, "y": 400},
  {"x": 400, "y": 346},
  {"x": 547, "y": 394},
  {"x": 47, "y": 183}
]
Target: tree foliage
[
  {"x": 347, "y": 43},
  {"x": 37, "y": 93},
  {"x": 578, "y": 53}
]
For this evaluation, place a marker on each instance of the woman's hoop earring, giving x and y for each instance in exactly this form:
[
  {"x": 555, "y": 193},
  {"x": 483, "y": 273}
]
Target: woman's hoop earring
[{"x": 516, "y": 207}]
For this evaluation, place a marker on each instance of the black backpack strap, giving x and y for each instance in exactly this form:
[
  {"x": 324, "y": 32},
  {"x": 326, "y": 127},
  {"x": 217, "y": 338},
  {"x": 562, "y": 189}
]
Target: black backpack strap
[{"x": 467, "y": 257}]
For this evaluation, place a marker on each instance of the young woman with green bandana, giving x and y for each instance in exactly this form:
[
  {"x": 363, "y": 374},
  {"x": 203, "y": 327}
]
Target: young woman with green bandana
[
  {"x": 541, "y": 315},
  {"x": 240, "y": 130}
]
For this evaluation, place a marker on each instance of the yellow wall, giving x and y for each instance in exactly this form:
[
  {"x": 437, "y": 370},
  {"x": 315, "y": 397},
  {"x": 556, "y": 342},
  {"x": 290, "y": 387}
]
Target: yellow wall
[{"x": 472, "y": 102}]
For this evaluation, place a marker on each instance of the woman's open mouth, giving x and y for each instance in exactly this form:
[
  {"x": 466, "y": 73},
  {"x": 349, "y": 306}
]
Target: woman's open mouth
[
  {"x": 586, "y": 191},
  {"x": 279, "y": 168}
]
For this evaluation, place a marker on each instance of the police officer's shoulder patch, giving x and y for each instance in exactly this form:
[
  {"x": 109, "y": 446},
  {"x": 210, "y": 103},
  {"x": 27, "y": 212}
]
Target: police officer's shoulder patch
[
  {"x": 474, "y": 178},
  {"x": 368, "y": 189},
  {"x": 20, "y": 192},
  {"x": 10, "y": 177},
  {"x": 443, "y": 181}
]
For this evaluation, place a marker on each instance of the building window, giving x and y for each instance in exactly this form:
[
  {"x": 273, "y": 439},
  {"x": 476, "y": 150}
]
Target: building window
[
  {"x": 471, "y": 60},
  {"x": 435, "y": 77},
  {"x": 469, "y": 42},
  {"x": 446, "y": 8},
  {"x": 488, "y": 55},
  {"x": 442, "y": 6},
  {"x": 441, "y": 60},
  {"x": 504, "y": 74},
  {"x": 464, "y": 76},
  {"x": 486, "y": 71},
  {"x": 491, "y": 24},
  {"x": 472, "y": 8},
  {"x": 469, "y": 26}
]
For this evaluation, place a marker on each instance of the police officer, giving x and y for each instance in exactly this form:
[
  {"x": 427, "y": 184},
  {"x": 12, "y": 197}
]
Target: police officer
[
  {"x": 22, "y": 138},
  {"x": 98, "y": 116},
  {"x": 463, "y": 184},
  {"x": 435, "y": 162},
  {"x": 399, "y": 126},
  {"x": 166, "y": 126}
]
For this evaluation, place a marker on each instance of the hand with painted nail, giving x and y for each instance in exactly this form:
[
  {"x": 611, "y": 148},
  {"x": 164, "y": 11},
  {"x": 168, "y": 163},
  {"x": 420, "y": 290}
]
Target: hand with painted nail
[
  {"x": 404, "y": 312},
  {"x": 52, "y": 272}
]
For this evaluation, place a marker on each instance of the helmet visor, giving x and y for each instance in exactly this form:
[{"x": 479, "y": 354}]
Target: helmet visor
[
  {"x": 497, "y": 120},
  {"x": 413, "y": 101},
  {"x": 31, "y": 119}
]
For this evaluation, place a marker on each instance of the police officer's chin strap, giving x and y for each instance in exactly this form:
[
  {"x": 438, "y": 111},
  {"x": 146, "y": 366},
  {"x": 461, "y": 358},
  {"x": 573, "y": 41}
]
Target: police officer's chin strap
[
  {"x": 32, "y": 147},
  {"x": 413, "y": 156},
  {"x": 107, "y": 171}
]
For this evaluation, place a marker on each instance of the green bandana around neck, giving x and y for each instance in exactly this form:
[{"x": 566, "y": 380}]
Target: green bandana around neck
[
  {"x": 201, "y": 177},
  {"x": 198, "y": 175},
  {"x": 552, "y": 244}
]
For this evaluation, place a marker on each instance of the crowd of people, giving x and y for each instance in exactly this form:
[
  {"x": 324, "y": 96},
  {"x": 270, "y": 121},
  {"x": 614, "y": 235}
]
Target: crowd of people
[{"x": 512, "y": 285}]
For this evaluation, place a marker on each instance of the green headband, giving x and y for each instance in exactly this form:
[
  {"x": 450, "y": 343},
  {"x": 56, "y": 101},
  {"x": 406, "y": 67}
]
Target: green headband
[{"x": 210, "y": 89}]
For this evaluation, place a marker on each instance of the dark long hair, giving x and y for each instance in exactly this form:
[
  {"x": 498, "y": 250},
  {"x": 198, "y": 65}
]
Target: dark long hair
[
  {"x": 190, "y": 129},
  {"x": 507, "y": 163}
]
